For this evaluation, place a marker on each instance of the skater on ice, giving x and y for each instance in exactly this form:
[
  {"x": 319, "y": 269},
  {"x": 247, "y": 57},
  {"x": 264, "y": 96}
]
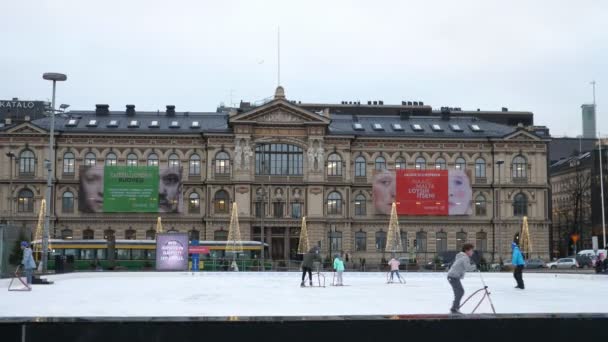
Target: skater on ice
[
  {"x": 28, "y": 261},
  {"x": 307, "y": 264},
  {"x": 518, "y": 264},
  {"x": 461, "y": 265},
  {"x": 339, "y": 268},
  {"x": 394, "y": 264}
]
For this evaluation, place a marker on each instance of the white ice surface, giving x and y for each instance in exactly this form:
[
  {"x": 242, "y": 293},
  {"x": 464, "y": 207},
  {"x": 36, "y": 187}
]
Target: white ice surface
[{"x": 279, "y": 294}]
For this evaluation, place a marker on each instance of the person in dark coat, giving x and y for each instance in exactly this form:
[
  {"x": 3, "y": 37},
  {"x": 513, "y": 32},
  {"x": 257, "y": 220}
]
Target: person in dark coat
[
  {"x": 599, "y": 263},
  {"x": 307, "y": 263}
]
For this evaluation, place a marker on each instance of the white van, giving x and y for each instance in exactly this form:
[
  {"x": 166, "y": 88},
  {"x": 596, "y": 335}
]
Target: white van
[{"x": 591, "y": 253}]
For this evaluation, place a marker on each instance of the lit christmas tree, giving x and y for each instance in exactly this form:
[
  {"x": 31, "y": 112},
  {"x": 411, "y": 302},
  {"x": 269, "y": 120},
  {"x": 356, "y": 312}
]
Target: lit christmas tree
[
  {"x": 525, "y": 244},
  {"x": 159, "y": 225},
  {"x": 303, "y": 245},
  {"x": 393, "y": 239},
  {"x": 40, "y": 231},
  {"x": 234, "y": 244}
]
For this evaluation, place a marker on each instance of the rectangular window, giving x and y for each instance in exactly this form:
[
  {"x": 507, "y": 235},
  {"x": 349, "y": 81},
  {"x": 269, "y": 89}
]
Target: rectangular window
[
  {"x": 296, "y": 210},
  {"x": 174, "y": 124},
  {"x": 397, "y": 127},
  {"x": 417, "y": 128},
  {"x": 195, "y": 124},
  {"x": 278, "y": 209},
  {"x": 360, "y": 241},
  {"x": 476, "y": 128},
  {"x": 92, "y": 123},
  {"x": 357, "y": 126},
  {"x": 455, "y": 128},
  {"x": 436, "y": 128},
  {"x": 113, "y": 123},
  {"x": 154, "y": 124},
  {"x": 133, "y": 124},
  {"x": 378, "y": 127}
]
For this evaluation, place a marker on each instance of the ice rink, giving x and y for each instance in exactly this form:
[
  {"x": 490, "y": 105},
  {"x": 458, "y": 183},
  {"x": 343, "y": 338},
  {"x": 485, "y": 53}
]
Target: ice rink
[{"x": 279, "y": 294}]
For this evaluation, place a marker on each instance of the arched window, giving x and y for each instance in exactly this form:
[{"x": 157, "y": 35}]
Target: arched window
[
  {"x": 460, "y": 164},
  {"x": 480, "y": 168},
  {"x": 173, "y": 160},
  {"x": 130, "y": 234},
  {"x": 334, "y": 203},
  {"x": 380, "y": 164},
  {"x": 222, "y": 163},
  {"x": 111, "y": 159},
  {"x": 67, "y": 202},
  {"x": 481, "y": 241},
  {"x": 220, "y": 235},
  {"x": 132, "y": 159},
  {"x": 150, "y": 234},
  {"x": 194, "y": 235},
  {"x": 108, "y": 234},
  {"x": 27, "y": 162},
  {"x": 440, "y": 164},
  {"x": 519, "y": 167},
  {"x": 360, "y": 241},
  {"x": 520, "y": 205},
  {"x": 480, "y": 205},
  {"x": 380, "y": 240},
  {"x": 67, "y": 234},
  {"x": 278, "y": 159},
  {"x": 25, "y": 201},
  {"x": 461, "y": 239},
  {"x": 420, "y": 163},
  {"x": 441, "y": 242},
  {"x": 334, "y": 165},
  {"x": 152, "y": 159},
  {"x": 194, "y": 203},
  {"x": 335, "y": 241},
  {"x": 360, "y": 205},
  {"x": 88, "y": 234},
  {"x": 400, "y": 164},
  {"x": 420, "y": 243},
  {"x": 195, "y": 165},
  {"x": 69, "y": 163},
  {"x": 360, "y": 167},
  {"x": 220, "y": 202},
  {"x": 90, "y": 159}
]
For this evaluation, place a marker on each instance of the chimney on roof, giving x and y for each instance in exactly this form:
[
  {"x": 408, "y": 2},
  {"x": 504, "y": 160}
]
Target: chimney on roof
[
  {"x": 445, "y": 113},
  {"x": 170, "y": 110},
  {"x": 405, "y": 114},
  {"x": 409, "y": 103},
  {"x": 102, "y": 109},
  {"x": 421, "y": 103},
  {"x": 130, "y": 110},
  {"x": 375, "y": 103},
  {"x": 505, "y": 109},
  {"x": 369, "y": 103},
  {"x": 381, "y": 102}
]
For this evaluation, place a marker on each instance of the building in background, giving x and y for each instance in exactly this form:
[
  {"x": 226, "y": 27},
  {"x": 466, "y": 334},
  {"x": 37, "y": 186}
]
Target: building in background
[
  {"x": 588, "y": 116},
  {"x": 313, "y": 160},
  {"x": 16, "y": 111}
]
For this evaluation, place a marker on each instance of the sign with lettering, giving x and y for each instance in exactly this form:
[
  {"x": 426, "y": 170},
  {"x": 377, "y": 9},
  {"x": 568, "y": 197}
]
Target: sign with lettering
[{"x": 172, "y": 252}]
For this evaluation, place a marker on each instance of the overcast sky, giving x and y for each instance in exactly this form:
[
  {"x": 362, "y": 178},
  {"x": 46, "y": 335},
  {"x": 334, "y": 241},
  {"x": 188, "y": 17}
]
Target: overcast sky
[{"x": 525, "y": 55}]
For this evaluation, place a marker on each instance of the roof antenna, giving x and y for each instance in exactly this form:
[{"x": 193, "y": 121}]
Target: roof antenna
[{"x": 278, "y": 55}]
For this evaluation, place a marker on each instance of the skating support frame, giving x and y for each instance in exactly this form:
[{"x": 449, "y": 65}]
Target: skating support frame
[
  {"x": 486, "y": 294},
  {"x": 18, "y": 276}
]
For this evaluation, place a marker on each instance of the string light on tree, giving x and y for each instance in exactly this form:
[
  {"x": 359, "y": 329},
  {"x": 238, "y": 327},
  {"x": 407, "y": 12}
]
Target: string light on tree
[
  {"x": 303, "y": 244},
  {"x": 393, "y": 240},
  {"x": 234, "y": 245}
]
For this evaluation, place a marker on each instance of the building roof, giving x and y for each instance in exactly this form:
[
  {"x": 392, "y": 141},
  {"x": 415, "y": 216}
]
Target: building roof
[
  {"x": 562, "y": 148},
  {"x": 583, "y": 160}
]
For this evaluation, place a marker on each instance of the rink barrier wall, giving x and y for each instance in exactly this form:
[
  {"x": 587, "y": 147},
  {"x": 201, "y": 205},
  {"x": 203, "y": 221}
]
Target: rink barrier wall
[{"x": 548, "y": 327}]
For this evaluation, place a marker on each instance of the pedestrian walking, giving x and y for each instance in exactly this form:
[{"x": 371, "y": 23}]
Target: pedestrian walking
[{"x": 461, "y": 265}]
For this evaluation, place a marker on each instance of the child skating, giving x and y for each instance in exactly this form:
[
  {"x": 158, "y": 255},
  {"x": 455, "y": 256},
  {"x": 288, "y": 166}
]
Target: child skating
[
  {"x": 394, "y": 264},
  {"x": 339, "y": 268}
]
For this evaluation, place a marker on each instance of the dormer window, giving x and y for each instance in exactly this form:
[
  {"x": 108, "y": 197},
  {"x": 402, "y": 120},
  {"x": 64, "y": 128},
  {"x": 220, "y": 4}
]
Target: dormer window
[
  {"x": 154, "y": 124},
  {"x": 417, "y": 128},
  {"x": 397, "y": 127},
  {"x": 113, "y": 123},
  {"x": 357, "y": 126},
  {"x": 71, "y": 123},
  {"x": 92, "y": 123},
  {"x": 455, "y": 128},
  {"x": 174, "y": 124},
  {"x": 436, "y": 128},
  {"x": 378, "y": 127},
  {"x": 195, "y": 124},
  {"x": 133, "y": 124},
  {"x": 476, "y": 128}
]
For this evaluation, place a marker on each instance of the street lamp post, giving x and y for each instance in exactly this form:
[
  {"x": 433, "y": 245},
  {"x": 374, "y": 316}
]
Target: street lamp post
[{"x": 50, "y": 164}]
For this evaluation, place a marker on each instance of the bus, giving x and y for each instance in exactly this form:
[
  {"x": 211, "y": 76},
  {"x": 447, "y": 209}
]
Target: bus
[{"x": 141, "y": 255}]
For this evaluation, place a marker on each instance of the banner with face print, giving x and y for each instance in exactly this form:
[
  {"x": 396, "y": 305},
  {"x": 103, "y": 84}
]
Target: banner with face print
[{"x": 423, "y": 192}]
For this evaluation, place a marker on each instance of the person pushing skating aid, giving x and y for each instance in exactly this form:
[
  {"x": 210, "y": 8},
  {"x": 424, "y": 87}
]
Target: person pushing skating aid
[
  {"x": 461, "y": 265},
  {"x": 307, "y": 262}
]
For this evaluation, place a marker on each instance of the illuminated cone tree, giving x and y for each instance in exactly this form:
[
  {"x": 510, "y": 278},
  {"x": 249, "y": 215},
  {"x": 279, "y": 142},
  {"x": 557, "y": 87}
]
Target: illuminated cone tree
[
  {"x": 159, "y": 225},
  {"x": 303, "y": 245},
  {"x": 39, "y": 231},
  {"x": 393, "y": 239},
  {"x": 525, "y": 244},
  {"x": 234, "y": 244}
]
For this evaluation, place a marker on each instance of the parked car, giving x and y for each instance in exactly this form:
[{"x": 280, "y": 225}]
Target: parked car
[
  {"x": 585, "y": 260},
  {"x": 535, "y": 263},
  {"x": 563, "y": 263}
]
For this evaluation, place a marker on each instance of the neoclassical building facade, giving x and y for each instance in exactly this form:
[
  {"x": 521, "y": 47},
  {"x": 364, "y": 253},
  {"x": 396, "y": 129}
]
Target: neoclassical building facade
[{"x": 280, "y": 161}]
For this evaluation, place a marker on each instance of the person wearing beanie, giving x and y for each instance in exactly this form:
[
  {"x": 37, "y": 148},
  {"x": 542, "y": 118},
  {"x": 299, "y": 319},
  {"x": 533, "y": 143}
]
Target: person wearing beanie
[
  {"x": 28, "y": 261},
  {"x": 518, "y": 264}
]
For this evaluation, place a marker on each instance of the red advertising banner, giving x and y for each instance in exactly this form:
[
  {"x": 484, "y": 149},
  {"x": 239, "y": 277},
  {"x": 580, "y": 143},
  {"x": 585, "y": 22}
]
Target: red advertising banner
[
  {"x": 198, "y": 250},
  {"x": 422, "y": 192}
]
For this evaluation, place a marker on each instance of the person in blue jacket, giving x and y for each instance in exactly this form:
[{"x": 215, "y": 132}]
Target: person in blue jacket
[
  {"x": 28, "y": 261},
  {"x": 518, "y": 264}
]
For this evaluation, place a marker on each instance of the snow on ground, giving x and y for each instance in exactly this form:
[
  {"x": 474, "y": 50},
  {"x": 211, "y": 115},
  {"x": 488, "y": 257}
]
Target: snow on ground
[{"x": 279, "y": 294}]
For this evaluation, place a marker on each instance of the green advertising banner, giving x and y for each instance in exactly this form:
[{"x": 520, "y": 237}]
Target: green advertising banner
[{"x": 130, "y": 189}]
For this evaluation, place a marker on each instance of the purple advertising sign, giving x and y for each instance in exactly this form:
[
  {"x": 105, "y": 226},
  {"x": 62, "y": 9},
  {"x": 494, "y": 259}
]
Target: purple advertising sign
[{"x": 172, "y": 252}]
